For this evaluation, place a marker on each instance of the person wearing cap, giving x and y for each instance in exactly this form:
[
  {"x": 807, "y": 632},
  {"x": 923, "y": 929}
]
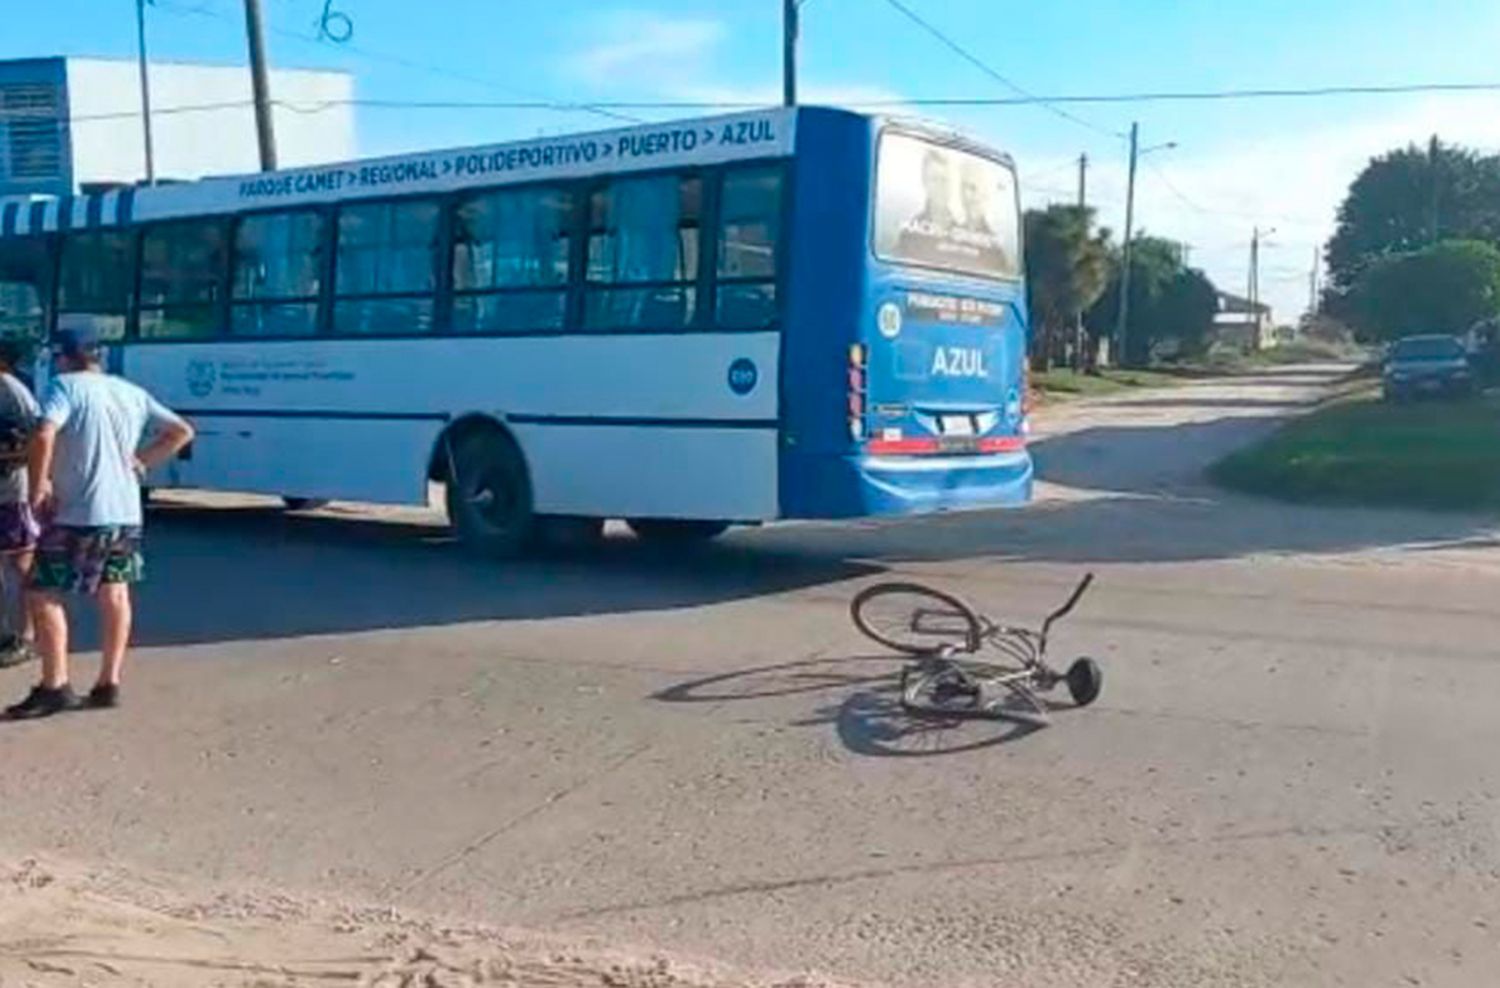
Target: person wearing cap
[{"x": 86, "y": 464}]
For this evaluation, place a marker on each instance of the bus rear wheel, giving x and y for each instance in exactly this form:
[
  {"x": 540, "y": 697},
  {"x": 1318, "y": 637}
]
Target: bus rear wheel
[
  {"x": 676, "y": 531},
  {"x": 304, "y": 503},
  {"x": 489, "y": 496},
  {"x": 567, "y": 534}
]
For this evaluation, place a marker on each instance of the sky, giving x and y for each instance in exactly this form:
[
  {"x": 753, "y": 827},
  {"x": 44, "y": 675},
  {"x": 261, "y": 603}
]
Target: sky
[{"x": 1279, "y": 165}]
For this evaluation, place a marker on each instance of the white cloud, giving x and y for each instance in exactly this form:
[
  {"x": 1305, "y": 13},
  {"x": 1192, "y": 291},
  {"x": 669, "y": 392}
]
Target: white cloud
[
  {"x": 633, "y": 46},
  {"x": 1291, "y": 181}
]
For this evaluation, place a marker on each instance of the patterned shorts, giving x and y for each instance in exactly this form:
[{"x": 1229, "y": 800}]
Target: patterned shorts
[
  {"x": 79, "y": 560},
  {"x": 18, "y": 528}
]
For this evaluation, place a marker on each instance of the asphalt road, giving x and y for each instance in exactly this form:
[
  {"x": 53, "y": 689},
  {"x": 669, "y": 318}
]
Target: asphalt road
[{"x": 1290, "y": 778}]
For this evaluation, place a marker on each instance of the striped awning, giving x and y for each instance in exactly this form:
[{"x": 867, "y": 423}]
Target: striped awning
[{"x": 29, "y": 217}]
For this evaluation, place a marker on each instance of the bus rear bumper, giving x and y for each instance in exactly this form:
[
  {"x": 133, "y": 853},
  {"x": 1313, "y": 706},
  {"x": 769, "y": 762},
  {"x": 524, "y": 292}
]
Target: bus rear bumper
[{"x": 851, "y": 487}]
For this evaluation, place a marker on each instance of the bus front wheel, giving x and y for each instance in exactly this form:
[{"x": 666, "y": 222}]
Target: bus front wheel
[
  {"x": 676, "y": 531},
  {"x": 489, "y": 495}
]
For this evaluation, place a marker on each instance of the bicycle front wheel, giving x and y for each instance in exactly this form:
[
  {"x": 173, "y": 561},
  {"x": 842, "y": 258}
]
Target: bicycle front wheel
[{"x": 914, "y": 619}]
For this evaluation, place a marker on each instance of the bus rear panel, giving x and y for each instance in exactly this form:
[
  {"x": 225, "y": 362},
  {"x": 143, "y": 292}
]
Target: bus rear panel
[{"x": 906, "y": 332}]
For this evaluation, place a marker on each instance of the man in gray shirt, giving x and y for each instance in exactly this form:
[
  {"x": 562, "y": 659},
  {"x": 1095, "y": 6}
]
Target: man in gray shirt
[{"x": 86, "y": 466}]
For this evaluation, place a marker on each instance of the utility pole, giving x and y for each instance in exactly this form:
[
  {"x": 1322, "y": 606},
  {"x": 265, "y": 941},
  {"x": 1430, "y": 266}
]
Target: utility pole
[
  {"x": 789, "y": 31},
  {"x": 1079, "y": 335},
  {"x": 260, "y": 85},
  {"x": 1123, "y": 319},
  {"x": 140, "y": 37},
  {"x": 1312, "y": 284},
  {"x": 1432, "y": 177},
  {"x": 1254, "y": 289},
  {"x": 1252, "y": 284}
]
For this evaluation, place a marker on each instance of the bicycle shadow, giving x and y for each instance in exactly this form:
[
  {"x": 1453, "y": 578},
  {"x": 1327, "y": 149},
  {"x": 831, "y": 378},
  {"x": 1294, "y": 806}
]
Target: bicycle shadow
[
  {"x": 875, "y": 724},
  {"x": 867, "y": 715}
]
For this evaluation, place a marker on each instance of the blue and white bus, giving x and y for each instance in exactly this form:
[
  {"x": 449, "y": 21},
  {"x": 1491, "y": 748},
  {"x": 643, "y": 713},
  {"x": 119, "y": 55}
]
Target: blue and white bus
[{"x": 800, "y": 313}]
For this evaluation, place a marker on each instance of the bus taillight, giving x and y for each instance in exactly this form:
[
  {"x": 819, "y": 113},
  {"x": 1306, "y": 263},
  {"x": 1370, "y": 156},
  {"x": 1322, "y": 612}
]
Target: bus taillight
[
  {"x": 857, "y": 391},
  {"x": 919, "y": 445}
]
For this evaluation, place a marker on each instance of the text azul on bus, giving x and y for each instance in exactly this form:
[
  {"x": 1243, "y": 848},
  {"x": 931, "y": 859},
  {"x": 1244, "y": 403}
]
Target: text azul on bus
[{"x": 958, "y": 361}]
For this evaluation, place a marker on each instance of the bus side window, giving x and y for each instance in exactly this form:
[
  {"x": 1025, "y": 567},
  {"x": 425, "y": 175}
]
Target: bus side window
[
  {"x": 510, "y": 260},
  {"x": 94, "y": 281},
  {"x": 749, "y": 232},
  {"x": 643, "y": 253},
  {"x": 23, "y": 292},
  {"x": 182, "y": 271},
  {"x": 386, "y": 268},
  {"x": 277, "y": 274}
]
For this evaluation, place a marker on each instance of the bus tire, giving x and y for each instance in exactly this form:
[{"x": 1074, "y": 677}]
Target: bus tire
[
  {"x": 567, "y": 534},
  {"x": 677, "y": 531},
  {"x": 489, "y": 495},
  {"x": 304, "y": 503}
]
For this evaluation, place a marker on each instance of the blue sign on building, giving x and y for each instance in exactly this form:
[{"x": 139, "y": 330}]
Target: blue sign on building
[{"x": 35, "y": 152}]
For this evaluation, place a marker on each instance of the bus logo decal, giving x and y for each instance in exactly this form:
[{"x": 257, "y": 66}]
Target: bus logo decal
[
  {"x": 202, "y": 375},
  {"x": 888, "y": 320},
  {"x": 743, "y": 376}
]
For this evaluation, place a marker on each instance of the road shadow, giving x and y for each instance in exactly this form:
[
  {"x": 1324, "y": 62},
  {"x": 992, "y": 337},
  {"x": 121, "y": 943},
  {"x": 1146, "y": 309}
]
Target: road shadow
[
  {"x": 224, "y": 574},
  {"x": 1139, "y": 494},
  {"x": 1126, "y": 494},
  {"x": 875, "y": 724},
  {"x": 860, "y": 698}
]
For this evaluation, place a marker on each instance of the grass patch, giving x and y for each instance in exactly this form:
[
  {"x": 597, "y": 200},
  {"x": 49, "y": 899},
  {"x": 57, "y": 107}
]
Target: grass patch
[
  {"x": 1063, "y": 383},
  {"x": 1363, "y": 451},
  {"x": 1225, "y": 361}
]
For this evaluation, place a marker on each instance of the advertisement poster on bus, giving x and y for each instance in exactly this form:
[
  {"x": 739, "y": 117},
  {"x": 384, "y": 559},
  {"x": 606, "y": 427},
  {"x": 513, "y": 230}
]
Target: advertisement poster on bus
[{"x": 944, "y": 207}]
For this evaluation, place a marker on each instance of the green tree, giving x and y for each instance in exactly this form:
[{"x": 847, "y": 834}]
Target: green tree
[
  {"x": 1409, "y": 199},
  {"x": 1445, "y": 288},
  {"x": 1185, "y": 310},
  {"x": 1067, "y": 266},
  {"x": 1167, "y": 301}
]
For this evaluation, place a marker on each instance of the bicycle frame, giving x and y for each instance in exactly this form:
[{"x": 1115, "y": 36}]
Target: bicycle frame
[{"x": 1026, "y": 647}]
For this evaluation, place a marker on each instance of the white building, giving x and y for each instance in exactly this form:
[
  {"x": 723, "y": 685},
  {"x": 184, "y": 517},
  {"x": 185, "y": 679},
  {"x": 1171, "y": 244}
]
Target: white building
[
  {"x": 1243, "y": 324},
  {"x": 70, "y": 122}
]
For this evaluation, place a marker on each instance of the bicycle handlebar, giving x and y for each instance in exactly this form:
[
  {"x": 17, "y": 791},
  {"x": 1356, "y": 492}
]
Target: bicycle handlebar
[{"x": 1071, "y": 602}]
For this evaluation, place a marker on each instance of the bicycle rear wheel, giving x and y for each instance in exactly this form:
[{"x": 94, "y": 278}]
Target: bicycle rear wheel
[{"x": 914, "y": 619}]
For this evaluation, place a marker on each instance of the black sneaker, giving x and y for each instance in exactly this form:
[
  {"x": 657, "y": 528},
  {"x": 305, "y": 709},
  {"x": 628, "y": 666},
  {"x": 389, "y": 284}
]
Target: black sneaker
[
  {"x": 43, "y": 702},
  {"x": 104, "y": 695},
  {"x": 14, "y": 652}
]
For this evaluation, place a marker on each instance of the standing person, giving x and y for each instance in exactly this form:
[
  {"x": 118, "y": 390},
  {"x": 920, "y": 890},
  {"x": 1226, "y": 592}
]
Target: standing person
[
  {"x": 86, "y": 467},
  {"x": 18, "y": 529}
]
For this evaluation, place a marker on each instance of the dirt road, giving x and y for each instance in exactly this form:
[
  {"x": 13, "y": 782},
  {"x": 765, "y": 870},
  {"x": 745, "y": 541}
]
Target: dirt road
[{"x": 1289, "y": 779}]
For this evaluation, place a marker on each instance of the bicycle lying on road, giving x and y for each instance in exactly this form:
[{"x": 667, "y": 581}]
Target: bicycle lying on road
[{"x": 943, "y": 632}]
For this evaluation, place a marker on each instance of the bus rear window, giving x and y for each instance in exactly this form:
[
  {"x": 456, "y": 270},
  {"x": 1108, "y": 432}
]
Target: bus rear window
[{"x": 942, "y": 207}]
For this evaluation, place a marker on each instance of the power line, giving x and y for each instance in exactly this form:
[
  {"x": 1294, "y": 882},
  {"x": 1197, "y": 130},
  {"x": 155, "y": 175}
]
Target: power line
[
  {"x": 1248, "y": 94},
  {"x": 1198, "y": 207},
  {"x": 941, "y": 101},
  {"x": 203, "y": 10},
  {"x": 597, "y": 107},
  {"x": 1026, "y": 95}
]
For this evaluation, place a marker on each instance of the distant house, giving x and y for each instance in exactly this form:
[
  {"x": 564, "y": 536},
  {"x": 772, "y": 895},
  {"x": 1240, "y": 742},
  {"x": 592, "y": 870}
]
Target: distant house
[{"x": 1243, "y": 324}]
